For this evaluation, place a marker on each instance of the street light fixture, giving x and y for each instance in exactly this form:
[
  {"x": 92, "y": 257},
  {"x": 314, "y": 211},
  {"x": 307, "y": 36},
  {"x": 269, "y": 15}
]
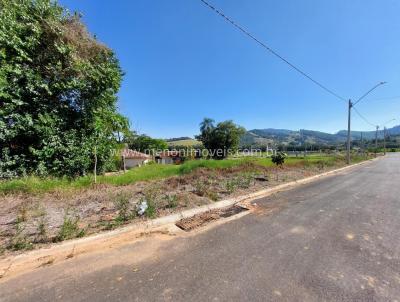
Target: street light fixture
[{"x": 351, "y": 105}]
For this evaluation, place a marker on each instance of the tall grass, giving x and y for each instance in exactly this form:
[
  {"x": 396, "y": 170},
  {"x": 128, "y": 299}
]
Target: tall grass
[
  {"x": 148, "y": 172},
  {"x": 33, "y": 184}
]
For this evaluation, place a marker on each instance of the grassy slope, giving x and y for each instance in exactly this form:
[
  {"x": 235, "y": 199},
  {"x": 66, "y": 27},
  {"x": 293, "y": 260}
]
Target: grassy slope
[
  {"x": 184, "y": 142},
  {"x": 35, "y": 185}
]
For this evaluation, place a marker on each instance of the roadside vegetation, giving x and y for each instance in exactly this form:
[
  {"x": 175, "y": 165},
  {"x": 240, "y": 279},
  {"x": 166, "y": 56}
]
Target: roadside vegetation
[
  {"x": 40, "y": 211},
  {"x": 37, "y": 185}
]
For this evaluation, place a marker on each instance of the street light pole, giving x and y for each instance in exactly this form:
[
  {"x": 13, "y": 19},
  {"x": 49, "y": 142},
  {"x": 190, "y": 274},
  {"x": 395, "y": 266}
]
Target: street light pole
[
  {"x": 348, "y": 132},
  {"x": 376, "y": 139},
  {"x": 384, "y": 140},
  {"x": 384, "y": 135},
  {"x": 362, "y": 145},
  {"x": 351, "y": 105}
]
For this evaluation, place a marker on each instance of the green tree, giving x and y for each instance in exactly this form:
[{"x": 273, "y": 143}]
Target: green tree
[
  {"x": 58, "y": 88},
  {"x": 220, "y": 139},
  {"x": 145, "y": 143}
]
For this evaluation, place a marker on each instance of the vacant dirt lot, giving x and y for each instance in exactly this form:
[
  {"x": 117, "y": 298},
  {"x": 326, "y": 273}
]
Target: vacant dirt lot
[{"x": 30, "y": 221}]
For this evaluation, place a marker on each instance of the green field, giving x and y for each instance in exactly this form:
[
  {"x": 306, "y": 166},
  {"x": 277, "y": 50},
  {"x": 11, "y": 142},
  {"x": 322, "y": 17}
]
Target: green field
[
  {"x": 35, "y": 185},
  {"x": 185, "y": 143}
]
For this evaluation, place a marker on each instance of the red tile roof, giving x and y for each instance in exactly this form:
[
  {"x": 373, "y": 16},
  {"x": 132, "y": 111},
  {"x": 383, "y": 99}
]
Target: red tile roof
[
  {"x": 128, "y": 153},
  {"x": 166, "y": 154}
]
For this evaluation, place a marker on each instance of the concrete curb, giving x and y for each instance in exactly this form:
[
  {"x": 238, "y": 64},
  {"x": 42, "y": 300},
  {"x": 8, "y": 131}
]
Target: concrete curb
[{"x": 37, "y": 258}]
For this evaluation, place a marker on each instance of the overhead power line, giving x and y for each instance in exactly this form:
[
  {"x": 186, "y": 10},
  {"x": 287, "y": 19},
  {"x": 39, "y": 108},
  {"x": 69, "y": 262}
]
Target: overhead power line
[
  {"x": 247, "y": 33},
  {"x": 363, "y": 117},
  {"x": 365, "y": 94}
]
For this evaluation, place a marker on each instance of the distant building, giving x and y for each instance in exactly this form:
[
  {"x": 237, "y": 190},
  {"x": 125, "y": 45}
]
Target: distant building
[
  {"x": 169, "y": 157},
  {"x": 134, "y": 158}
]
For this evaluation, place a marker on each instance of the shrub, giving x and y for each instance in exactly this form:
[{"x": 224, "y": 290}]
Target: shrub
[
  {"x": 244, "y": 180},
  {"x": 42, "y": 230},
  {"x": 172, "y": 201},
  {"x": 241, "y": 181},
  {"x": 69, "y": 229},
  {"x": 20, "y": 241},
  {"x": 151, "y": 196},
  {"x": 212, "y": 195},
  {"x": 230, "y": 185},
  {"x": 279, "y": 158},
  {"x": 151, "y": 210},
  {"x": 123, "y": 207}
]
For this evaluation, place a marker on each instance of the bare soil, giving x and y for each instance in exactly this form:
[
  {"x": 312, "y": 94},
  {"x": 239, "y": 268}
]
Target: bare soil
[{"x": 28, "y": 221}]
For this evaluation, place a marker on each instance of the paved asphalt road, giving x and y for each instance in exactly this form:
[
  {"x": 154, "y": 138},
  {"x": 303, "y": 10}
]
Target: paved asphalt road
[{"x": 337, "y": 239}]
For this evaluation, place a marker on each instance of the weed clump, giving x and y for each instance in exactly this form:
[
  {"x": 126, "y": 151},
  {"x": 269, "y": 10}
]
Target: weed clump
[
  {"x": 241, "y": 181},
  {"x": 151, "y": 210},
  {"x": 20, "y": 241},
  {"x": 172, "y": 201},
  {"x": 69, "y": 229},
  {"x": 201, "y": 187},
  {"x": 123, "y": 207},
  {"x": 151, "y": 196}
]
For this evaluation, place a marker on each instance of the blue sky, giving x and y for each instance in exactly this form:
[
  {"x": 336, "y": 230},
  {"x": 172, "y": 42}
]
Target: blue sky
[{"x": 183, "y": 62}]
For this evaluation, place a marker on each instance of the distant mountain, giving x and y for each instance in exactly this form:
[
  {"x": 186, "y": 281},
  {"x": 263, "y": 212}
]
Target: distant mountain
[
  {"x": 269, "y": 136},
  {"x": 394, "y": 131},
  {"x": 181, "y": 138},
  {"x": 262, "y": 137}
]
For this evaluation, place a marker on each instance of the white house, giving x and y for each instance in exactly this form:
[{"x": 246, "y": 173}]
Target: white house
[
  {"x": 169, "y": 157},
  {"x": 134, "y": 158}
]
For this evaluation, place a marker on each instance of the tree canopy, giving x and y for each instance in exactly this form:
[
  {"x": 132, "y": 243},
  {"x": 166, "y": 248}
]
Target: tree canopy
[
  {"x": 220, "y": 139},
  {"x": 145, "y": 143},
  {"x": 58, "y": 88}
]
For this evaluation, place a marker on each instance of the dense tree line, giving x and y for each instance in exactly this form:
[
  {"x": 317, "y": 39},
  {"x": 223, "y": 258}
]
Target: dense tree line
[
  {"x": 144, "y": 143},
  {"x": 58, "y": 88}
]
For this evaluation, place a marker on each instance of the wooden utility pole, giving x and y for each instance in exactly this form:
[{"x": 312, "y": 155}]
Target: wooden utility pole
[
  {"x": 376, "y": 139},
  {"x": 348, "y": 132},
  {"x": 362, "y": 143},
  {"x": 384, "y": 140}
]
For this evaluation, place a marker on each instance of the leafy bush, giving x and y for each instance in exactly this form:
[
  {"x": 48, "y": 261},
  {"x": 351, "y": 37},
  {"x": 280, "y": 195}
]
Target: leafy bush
[{"x": 278, "y": 158}]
